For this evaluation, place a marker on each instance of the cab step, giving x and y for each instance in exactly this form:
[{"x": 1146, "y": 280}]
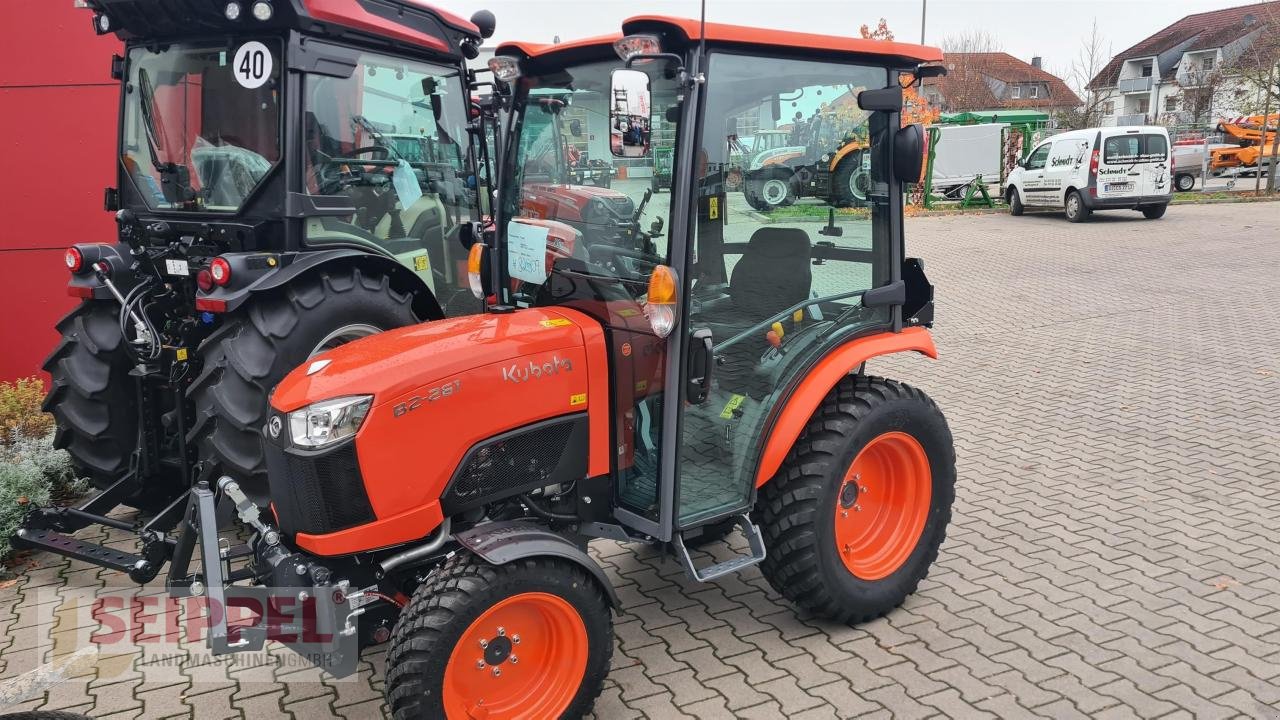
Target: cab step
[
  {"x": 755, "y": 546},
  {"x": 101, "y": 555}
]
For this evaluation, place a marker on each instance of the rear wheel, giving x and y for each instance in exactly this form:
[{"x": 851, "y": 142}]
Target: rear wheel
[
  {"x": 1015, "y": 202},
  {"x": 1154, "y": 212},
  {"x": 91, "y": 395},
  {"x": 1076, "y": 211},
  {"x": 258, "y": 345},
  {"x": 1184, "y": 182},
  {"x": 529, "y": 639},
  {"x": 854, "y": 518},
  {"x": 769, "y": 193}
]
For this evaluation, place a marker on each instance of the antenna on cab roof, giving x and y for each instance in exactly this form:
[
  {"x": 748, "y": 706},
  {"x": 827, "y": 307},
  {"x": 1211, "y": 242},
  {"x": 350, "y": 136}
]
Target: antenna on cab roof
[{"x": 702, "y": 31}]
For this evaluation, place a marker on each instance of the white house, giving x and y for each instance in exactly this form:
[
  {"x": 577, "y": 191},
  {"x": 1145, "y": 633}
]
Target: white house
[{"x": 1182, "y": 75}]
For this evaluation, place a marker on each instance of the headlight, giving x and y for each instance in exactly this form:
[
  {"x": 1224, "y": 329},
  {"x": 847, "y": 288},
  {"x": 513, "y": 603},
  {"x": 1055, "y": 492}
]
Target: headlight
[{"x": 328, "y": 421}]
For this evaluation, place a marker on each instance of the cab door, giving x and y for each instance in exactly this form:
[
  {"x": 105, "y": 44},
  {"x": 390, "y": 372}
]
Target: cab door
[
  {"x": 765, "y": 296},
  {"x": 1034, "y": 189}
]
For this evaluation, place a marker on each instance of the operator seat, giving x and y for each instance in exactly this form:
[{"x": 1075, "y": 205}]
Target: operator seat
[{"x": 774, "y": 273}]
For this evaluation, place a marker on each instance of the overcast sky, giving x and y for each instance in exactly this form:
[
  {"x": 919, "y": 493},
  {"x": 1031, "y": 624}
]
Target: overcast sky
[{"x": 1052, "y": 29}]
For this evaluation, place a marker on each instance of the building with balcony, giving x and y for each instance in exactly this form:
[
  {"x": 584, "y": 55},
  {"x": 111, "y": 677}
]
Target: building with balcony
[{"x": 1187, "y": 74}]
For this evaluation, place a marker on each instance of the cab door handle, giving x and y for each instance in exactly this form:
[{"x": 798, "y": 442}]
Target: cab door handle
[{"x": 701, "y": 362}]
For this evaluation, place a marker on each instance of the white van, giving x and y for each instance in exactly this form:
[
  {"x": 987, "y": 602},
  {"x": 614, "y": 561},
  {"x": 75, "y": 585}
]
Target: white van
[{"x": 1107, "y": 168}]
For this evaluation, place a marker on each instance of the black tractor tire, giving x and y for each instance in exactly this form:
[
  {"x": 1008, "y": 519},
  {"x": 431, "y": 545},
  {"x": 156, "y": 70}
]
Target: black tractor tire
[
  {"x": 91, "y": 396},
  {"x": 761, "y": 192},
  {"x": 800, "y": 507},
  {"x": 1154, "y": 212},
  {"x": 260, "y": 343},
  {"x": 1015, "y": 202},
  {"x": 847, "y": 183},
  {"x": 1184, "y": 182},
  {"x": 1076, "y": 211},
  {"x": 441, "y": 615}
]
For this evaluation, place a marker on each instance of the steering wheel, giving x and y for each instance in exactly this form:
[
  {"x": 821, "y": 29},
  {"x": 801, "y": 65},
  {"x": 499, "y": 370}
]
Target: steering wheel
[
  {"x": 337, "y": 173},
  {"x": 624, "y": 262}
]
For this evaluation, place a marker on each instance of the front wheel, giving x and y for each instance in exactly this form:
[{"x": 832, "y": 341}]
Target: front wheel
[
  {"x": 1154, "y": 212},
  {"x": 529, "y": 639},
  {"x": 851, "y": 184},
  {"x": 1077, "y": 211},
  {"x": 1015, "y": 202},
  {"x": 856, "y": 514},
  {"x": 1184, "y": 182}
]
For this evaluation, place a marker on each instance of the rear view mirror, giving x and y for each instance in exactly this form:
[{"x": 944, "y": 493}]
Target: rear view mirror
[
  {"x": 887, "y": 99},
  {"x": 629, "y": 114},
  {"x": 908, "y": 153}
]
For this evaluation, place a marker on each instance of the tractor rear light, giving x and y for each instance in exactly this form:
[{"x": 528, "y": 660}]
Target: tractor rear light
[
  {"x": 232, "y": 11},
  {"x": 220, "y": 271},
  {"x": 505, "y": 68},
  {"x": 633, "y": 45},
  {"x": 475, "y": 262},
  {"x": 102, "y": 24},
  {"x": 211, "y": 305},
  {"x": 79, "y": 291},
  {"x": 204, "y": 280},
  {"x": 262, "y": 10},
  {"x": 660, "y": 303},
  {"x": 74, "y": 259}
]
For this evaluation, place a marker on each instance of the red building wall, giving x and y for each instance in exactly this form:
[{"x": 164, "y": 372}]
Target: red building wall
[{"x": 58, "y": 109}]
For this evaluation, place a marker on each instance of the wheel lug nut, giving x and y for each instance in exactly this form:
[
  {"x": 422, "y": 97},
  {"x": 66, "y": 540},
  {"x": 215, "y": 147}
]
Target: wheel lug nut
[
  {"x": 483, "y": 643},
  {"x": 844, "y": 513},
  {"x": 497, "y": 672},
  {"x": 857, "y": 508},
  {"x": 515, "y": 639},
  {"x": 514, "y": 659},
  {"x": 480, "y": 664},
  {"x": 862, "y": 488},
  {"x": 502, "y": 631}
]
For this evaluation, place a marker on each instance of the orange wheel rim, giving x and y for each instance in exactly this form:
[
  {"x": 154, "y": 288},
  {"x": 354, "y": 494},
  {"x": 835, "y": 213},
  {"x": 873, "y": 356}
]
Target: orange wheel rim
[
  {"x": 883, "y": 505},
  {"x": 522, "y": 658}
]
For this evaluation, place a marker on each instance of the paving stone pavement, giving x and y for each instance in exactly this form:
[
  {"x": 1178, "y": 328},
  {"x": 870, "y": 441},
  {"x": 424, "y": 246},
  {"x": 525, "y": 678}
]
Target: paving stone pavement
[{"x": 1114, "y": 391}]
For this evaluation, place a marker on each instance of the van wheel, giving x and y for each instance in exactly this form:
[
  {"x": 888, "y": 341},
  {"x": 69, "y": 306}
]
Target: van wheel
[
  {"x": 1154, "y": 212},
  {"x": 1184, "y": 182},
  {"x": 1077, "y": 211},
  {"x": 1015, "y": 202}
]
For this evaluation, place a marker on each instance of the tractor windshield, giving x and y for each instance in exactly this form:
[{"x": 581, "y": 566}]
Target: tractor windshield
[
  {"x": 564, "y": 177},
  {"x": 201, "y": 123}
]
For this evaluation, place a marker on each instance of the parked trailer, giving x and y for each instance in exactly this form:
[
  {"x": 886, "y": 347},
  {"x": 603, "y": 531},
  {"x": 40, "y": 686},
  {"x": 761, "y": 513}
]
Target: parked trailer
[{"x": 964, "y": 152}]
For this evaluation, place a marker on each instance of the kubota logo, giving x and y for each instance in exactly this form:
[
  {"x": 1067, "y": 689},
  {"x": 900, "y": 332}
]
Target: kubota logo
[{"x": 533, "y": 371}]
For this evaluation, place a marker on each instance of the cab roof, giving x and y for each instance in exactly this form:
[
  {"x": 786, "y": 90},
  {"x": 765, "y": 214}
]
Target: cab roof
[
  {"x": 689, "y": 30},
  {"x": 412, "y": 23}
]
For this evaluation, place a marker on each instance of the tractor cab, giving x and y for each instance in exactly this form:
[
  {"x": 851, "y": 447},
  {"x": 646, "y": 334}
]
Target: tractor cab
[
  {"x": 716, "y": 315},
  {"x": 251, "y": 125}
]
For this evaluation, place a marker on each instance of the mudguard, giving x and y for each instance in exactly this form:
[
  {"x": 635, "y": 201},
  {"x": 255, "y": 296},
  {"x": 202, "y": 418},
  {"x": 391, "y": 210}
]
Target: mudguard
[
  {"x": 499, "y": 543},
  {"x": 292, "y": 265}
]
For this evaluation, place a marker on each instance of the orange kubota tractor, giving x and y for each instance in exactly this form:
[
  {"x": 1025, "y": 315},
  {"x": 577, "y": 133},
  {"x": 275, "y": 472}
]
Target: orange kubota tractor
[{"x": 438, "y": 485}]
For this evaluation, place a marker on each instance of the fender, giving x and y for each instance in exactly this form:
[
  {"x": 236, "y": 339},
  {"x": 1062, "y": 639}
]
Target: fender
[
  {"x": 848, "y": 148},
  {"x": 499, "y": 543},
  {"x": 425, "y": 305},
  {"x": 808, "y": 395}
]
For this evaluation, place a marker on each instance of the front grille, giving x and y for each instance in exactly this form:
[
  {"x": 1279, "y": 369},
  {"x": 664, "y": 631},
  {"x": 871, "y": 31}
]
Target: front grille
[
  {"x": 321, "y": 493},
  {"x": 545, "y": 454}
]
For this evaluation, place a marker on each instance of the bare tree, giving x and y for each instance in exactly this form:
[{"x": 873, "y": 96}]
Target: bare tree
[
  {"x": 1201, "y": 90},
  {"x": 967, "y": 57},
  {"x": 1093, "y": 56},
  {"x": 1257, "y": 68}
]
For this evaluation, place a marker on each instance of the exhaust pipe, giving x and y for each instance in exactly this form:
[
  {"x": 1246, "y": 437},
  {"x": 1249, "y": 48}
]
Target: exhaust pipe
[{"x": 417, "y": 553}]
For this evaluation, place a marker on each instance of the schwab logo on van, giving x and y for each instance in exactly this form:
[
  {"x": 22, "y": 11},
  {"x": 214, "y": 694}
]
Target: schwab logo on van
[{"x": 533, "y": 371}]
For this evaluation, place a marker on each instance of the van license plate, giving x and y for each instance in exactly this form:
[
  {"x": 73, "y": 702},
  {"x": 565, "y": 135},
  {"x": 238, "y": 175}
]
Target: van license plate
[{"x": 1119, "y": 186}]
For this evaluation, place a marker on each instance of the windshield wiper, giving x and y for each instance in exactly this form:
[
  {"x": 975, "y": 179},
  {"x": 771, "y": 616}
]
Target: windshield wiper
[{"x": 175, "y": 179}]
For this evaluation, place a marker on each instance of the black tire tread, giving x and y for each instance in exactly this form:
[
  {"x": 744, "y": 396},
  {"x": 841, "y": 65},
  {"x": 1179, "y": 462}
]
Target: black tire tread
[
  {"x": 789, "y": 504},
  {"x": 90, "y": 395},
  {"x": 251, "y": 352},
  {"x": 452, "y": 591}
]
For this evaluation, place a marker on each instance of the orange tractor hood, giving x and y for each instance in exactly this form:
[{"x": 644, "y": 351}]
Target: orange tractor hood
[{"x": 394, "y": 363}]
